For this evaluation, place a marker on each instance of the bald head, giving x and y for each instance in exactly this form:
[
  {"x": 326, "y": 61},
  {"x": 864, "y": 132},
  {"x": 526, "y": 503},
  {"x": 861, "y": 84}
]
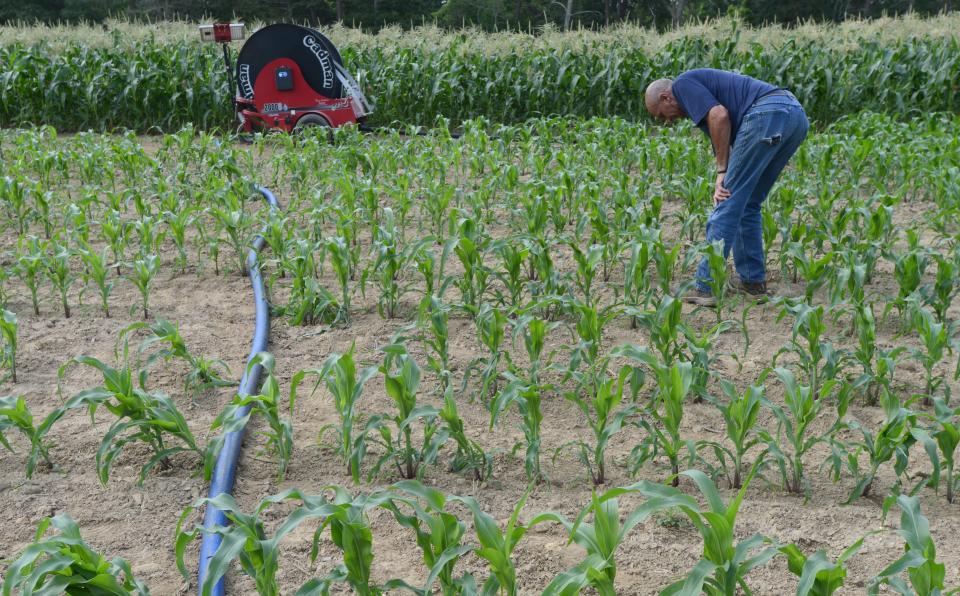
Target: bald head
[
  {"x": 660, "y": 101},
  {"x": 655, "y": 90}
]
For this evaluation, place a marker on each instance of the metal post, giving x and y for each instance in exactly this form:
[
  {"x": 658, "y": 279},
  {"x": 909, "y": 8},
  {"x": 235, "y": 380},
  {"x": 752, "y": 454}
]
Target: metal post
[{"x": 226, "y": 62}]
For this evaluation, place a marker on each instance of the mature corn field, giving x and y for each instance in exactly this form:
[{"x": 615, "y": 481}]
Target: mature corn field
[
  {"x": 481, "y": 378},
  {"x": 134, "y": 79}
]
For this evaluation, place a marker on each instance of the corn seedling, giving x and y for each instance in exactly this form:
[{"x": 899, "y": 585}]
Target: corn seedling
[
  {"x": 666, "y": 410},
  {"x": 8, "y": 334},
  {"x": 725, "y": 564},
  {"x": 30, "y": 267},
  {"x": 792, "y": 441},
  {"x": 97, "y": 268},
  {"x": 925, "y": 574},
  {"x": 740, "y": 414},
  {"x": 438, "y": 534},
  {"x": 819, "y": 576},
  {"x": 402, "y": 382},
  {"x": 342, "y": 262},
  {"x": 601, "y": 537},
  {"x": 935, "y": 339},
  {"x": 817, "y": 358},
  {"x": 204, "y": 374},
  {"x": 279, "y": 435},
  {"x": 470, "y": 456},
  {"x": 15, "y": 414},
  {"x": 339, "y": 375},
  {"x": 496, "y": 545},
  {"x": 64, "y": 564},
  {"x": 57, "y": 269},
  {"x": 144, "y": 270},
  {"x": 940, "y": 441},
  {"x": 491, "y": 323},
  {"x": 141, "y": 416},
  {"x": 892, "y": 440},
  {"x": 528, "y": 399}
]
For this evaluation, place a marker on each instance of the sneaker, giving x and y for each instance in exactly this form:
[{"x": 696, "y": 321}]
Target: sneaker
[
  {"x": 700, "y": 298},
  {"x": 757, "y": 290}
]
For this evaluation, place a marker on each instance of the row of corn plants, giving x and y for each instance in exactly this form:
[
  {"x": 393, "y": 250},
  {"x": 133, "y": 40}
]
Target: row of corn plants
[
  {"x": 63, "y": 561},
  {"x": 145, "y": 84}
]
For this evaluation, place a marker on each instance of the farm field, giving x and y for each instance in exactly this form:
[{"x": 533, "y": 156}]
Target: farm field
[{"x": 527, "y": 275}]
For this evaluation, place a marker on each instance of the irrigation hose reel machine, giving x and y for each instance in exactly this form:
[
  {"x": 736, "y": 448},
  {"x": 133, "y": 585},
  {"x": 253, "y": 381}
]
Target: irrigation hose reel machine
[{"x": 288, "y": 78}]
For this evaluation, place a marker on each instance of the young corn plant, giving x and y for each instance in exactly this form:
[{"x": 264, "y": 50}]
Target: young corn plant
[
  {"x": 31, "y": 266},
  {"x": 309, "y": 302},
  {"x": 528, "y": 399},
  {"x": 143, "y": 272},
  {"x": 793, "y": 440},
  {"x": 891, "y": 441},
  {"x": 740, "y": 414},
  {"x": 438, "y": 533},
  {"x": 815, "y": 272},
  {"x": 433, "y": 318},
  {"x": 719, "y": 275},
  {"x": 602, "y": 408},
  {"x": 725, "y": 564},
  {"x": 342, "y": 261},
  {"x": 64, "y": 564},
  {"x": 491, "y": 323},
  {"x": 279, "y": 433},
  {"x": 57, "y": 269},
  {"x": 470, "y": 456},
  {"x": 666, "y": 411},
  {"x": 817, "y": 358},
  {"x": 512, "y": 254},
  {"x": 496, "y": 545},
  {"x": 878, "y": 364},
  {"x": 935, "y": 339},
  {"x": 15, "y": 414},
  {"x": 246, "y": 539},
  {"x": 339, "y": 375},
  {"x": 819, "y": 576},
  {"x": 603, "y": 536},
  {"x": 924, "y": 573},
  {"x": 402, "y": 382},
  {"x": 204, "y": 374},
  {"x": 9, "y": 327},
  {"x": 97, "y": 268},
  {"x": 940, "y": 441},
  {"x": 141, "y": 416},
  {"x": 637, "y": 284}
]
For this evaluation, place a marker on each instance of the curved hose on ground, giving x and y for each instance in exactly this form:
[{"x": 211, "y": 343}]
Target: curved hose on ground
[{"x": 225, "y": 471}]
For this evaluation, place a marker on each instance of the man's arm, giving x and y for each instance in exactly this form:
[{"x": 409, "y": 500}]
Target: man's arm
[{"x": 718, "y": 121}]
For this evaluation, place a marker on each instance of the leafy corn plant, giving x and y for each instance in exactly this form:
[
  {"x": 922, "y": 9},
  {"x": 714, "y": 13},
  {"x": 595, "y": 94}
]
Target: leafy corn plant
[
  {"x": 9, "y": 328},
  {"x": 402, "y": 382},
  {"x": 740, "y": 413},
  {"x": 940, "y": 440},
  {"x": 793, "y": 439},
  {"x": 204, "y": 373},
  {"x": 279, "y": 432},
  {"x": 58, "y": 271},
  {"x": 141, "y": 416},
  {"x": 339, "y": 374},
  {"x": 603, "y": 535},
  {"x": 64, "y": 563},
  {"x": 31, "y": 266},
  {"x": 819, "y": 576},
  {"x": 97, "y": 268},
  {"x": 15, "y": 414},
  {"x": 496, "y": 545},
  {"x": 438, "y": 534},
  {"x": 143, "y": 272},
  {"x": 470, "y": 456},
  {"x": 924, "y": 574},
  {"x": 726, "y": 563}
]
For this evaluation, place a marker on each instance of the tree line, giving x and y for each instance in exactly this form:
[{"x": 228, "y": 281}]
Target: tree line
[{"x": 486, "y": 14}]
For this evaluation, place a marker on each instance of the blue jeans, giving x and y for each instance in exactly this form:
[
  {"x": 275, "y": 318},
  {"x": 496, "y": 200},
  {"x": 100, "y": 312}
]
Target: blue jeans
[{"x": 769, "y": 135}]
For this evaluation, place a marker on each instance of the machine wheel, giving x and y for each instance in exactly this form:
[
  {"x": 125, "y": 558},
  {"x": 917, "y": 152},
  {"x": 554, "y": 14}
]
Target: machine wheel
[{"x": 310, "y": 121}]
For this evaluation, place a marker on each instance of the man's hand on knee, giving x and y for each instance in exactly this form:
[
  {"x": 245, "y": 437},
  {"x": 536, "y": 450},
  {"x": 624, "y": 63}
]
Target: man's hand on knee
[{"x": 720, "y": 192}]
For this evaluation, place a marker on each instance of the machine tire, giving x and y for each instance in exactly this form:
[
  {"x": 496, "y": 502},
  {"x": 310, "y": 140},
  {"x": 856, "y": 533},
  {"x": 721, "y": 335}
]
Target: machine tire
[{"x": 310, "y": 121}]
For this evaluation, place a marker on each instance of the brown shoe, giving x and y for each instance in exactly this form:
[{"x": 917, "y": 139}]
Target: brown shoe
[
  {"x": 757, "y": 290},
  {"x": 700, "y": 298}
]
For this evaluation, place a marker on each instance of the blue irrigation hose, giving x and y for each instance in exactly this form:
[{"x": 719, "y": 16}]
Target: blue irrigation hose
[{"x": 225, "y": 471}]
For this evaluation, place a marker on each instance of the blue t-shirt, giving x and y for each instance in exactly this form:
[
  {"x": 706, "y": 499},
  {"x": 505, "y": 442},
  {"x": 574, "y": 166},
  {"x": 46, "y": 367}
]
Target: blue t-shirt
[{"x": 699, "y": 90}]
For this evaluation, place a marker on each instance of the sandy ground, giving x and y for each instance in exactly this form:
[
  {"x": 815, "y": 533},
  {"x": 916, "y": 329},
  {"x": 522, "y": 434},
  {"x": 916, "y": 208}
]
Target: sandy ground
[{"x": 215, "y": 314}]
